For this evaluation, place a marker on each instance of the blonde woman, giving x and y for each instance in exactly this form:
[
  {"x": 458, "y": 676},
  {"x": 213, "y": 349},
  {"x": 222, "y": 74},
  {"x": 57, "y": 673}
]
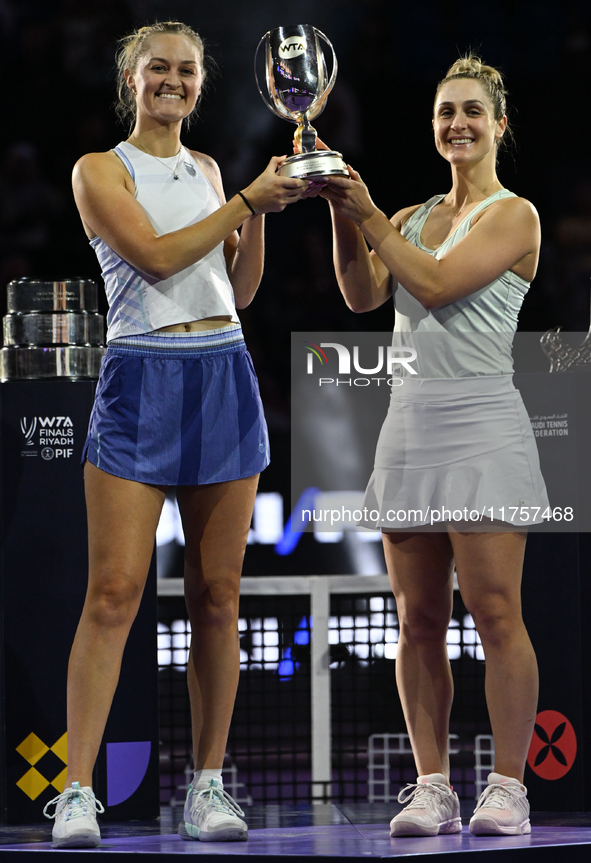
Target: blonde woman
[
  {"x": 177, "y": 404},
  {"x": 456, "y": 437}
]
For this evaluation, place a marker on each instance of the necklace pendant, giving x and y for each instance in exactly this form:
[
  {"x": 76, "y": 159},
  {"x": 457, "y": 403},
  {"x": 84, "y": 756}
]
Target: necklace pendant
[{"x": 175, "y": 176}]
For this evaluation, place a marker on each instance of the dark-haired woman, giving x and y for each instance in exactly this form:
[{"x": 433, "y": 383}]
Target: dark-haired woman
[
  {"x": 456, "y": 438},
  {"x": 177, "y": 405}
]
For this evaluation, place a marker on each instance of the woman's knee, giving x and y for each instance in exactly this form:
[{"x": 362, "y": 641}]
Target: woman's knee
[
  {"x": 216, "y": 604},
  {"x": 422, "y": 624},
  {"x": 113, "y": 598},
  {"x": 497, "y": 618}
]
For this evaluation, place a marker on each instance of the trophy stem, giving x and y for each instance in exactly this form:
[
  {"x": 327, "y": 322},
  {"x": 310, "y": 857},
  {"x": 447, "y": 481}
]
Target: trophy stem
[
  {"x": 305, "y": 136},
  {"x": 309, "y": 136}
]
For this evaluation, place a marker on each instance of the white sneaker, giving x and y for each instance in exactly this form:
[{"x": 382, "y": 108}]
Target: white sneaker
[
  {"x": 75, "y": 818},
  {"x": 433, "y": 808},
  {"x": 211, "y": 815},
  {"x": 502, "y": 810}
]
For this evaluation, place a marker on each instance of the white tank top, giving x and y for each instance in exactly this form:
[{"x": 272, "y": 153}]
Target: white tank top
[
  {"x": 138, "y": 303},
  {"x": 471, "y": 336}
]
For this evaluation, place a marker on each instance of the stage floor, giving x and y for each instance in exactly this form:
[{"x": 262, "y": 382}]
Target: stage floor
[{"x": 328, "y": 832}]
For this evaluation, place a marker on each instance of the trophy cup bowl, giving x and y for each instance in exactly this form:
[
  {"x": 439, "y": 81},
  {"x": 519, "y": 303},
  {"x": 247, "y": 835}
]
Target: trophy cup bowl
[{"x": 298, "y": 85}]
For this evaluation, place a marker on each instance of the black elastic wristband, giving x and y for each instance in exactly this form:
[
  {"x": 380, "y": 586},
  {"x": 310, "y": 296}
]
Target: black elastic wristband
[{"x": 248, "y": 204}]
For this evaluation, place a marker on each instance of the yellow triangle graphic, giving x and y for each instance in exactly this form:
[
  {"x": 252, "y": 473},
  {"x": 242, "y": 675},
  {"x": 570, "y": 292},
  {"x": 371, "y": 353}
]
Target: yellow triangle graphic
[
  {"x": 60, "y": 748},
  {"x": 59, "y": 783}
]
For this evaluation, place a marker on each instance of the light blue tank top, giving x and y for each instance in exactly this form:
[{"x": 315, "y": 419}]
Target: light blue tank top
[
  {"x": 138, "y": 303},
  {"x": 471, "y": 336}
]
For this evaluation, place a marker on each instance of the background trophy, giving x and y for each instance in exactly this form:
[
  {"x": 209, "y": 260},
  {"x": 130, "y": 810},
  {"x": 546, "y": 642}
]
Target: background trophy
[
  {"x": 298, "y": 86},
  {"x": 52, "y": 330}
]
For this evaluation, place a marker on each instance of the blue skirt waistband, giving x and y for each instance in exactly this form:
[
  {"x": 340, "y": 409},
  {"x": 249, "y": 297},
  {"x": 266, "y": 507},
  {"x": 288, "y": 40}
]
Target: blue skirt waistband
[{"x": 180, "y": 345}]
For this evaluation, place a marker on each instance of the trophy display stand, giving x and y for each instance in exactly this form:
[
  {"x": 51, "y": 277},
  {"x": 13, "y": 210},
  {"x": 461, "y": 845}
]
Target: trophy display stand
[{"x": 46, "y": 397}]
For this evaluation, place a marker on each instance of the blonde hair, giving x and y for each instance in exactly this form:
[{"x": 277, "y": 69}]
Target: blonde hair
[
  {"x": 132, "y": 47},
  {"x": 472, "y": 66}
]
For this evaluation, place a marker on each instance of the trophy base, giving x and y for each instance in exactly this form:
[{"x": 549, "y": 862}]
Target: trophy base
[
  {"x": 317, "y": 164},
  {"x": 35, "y": 363}
]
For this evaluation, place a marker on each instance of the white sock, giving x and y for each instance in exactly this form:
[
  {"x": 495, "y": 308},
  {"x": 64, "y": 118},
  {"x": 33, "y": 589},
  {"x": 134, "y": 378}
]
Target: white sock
[{"x": 201, "y": 778}]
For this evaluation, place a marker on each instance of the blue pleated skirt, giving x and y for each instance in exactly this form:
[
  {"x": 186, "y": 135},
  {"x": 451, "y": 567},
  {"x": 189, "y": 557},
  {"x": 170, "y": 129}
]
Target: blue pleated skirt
[{"x": 178, "y": 409}]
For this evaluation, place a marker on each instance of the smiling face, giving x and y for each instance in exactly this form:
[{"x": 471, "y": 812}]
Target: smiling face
[
  {"x": 464, "y": 124},
  {"x": 168, "y": 77}
]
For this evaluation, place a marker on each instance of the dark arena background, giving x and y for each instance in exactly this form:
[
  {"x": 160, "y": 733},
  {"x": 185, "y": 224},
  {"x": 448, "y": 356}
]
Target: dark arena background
[{"x": 318, "y": 747}]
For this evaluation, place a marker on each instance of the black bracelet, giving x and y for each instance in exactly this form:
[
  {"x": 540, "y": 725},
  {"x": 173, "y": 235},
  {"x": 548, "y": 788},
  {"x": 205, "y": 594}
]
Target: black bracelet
[{"x": 249, "y": 205}]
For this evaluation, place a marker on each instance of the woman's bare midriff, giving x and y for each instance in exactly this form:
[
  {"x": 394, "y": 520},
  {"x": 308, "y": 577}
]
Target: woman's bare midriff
[{"x": 203, "y": 324}]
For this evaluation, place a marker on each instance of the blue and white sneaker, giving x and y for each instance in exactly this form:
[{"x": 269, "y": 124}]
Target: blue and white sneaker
[
  {"x": 75, "y": 818},
  {"x": 211, "y": 815}
]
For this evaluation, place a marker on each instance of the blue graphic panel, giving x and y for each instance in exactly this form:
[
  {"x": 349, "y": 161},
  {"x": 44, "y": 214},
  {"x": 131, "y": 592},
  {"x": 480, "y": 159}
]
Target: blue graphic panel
[{"x": 126, "y": 767}]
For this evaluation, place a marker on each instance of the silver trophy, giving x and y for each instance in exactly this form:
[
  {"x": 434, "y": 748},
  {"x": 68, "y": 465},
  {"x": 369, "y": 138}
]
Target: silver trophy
[
  {"x": 298, "y": 85},
  {"x": 52, "y": 330}
]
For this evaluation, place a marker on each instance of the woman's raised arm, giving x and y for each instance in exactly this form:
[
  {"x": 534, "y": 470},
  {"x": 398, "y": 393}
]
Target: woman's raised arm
[
  {"x": 105, "y": 198},
  {"x": 502, "y": 236},
  {"x": 364, "y": 280}
]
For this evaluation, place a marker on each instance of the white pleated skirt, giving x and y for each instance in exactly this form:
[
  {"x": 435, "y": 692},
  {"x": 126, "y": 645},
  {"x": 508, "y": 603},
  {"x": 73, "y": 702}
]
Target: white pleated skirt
[{"x": 455, "y": 447}]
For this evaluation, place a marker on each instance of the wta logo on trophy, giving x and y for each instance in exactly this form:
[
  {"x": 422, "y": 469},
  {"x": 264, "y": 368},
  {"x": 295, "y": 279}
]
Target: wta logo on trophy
[{"x": 293, "y": 46}]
